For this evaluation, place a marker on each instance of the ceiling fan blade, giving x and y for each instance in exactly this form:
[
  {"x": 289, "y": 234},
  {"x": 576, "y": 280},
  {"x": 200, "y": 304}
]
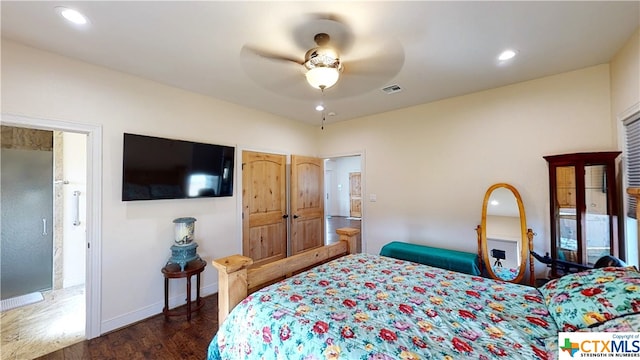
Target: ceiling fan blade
[
  {"x": 385, "y": 59},
  {"x": 283, "y": 76},
  {"x": 247, "y": 49},
  {"x": 371, "y": 67}
]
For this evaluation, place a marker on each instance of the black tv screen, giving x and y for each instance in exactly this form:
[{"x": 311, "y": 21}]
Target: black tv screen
[{"x": 159, "y": 168}]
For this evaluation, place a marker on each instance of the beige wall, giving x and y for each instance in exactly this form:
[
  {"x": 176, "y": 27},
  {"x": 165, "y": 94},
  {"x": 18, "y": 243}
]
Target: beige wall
[
  {"x": 625, "y": 101},
  {"x": 430, "y": 165},
  {"x": 625, "y": 76},
  {"x": 137, "y": 236}
]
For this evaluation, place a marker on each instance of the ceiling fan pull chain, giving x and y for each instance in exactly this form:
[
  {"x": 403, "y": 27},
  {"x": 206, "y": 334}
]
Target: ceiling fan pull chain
[{"x": 324, "y": 108}]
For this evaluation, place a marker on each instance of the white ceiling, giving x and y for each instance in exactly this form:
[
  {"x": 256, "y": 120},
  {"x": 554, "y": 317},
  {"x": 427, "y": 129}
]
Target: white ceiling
[{"x": 432, "y": 50}]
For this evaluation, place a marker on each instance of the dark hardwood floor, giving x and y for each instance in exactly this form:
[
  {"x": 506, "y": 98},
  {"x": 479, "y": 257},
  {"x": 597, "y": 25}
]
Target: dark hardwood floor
[
  {"x": 174, "y": 338},
  {"x": 153, "y": 338}
]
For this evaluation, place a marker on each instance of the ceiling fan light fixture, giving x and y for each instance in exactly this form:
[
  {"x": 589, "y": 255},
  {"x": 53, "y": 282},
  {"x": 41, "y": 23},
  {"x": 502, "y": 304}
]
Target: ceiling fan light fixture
[
  {"x": 322, "y": 77},
  {"x": 323, "y": 67}
]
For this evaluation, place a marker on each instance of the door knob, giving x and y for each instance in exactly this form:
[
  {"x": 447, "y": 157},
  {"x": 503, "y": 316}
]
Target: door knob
[
  {"x": 285, "y": 216},
  {"x": 295, "y": 216}
]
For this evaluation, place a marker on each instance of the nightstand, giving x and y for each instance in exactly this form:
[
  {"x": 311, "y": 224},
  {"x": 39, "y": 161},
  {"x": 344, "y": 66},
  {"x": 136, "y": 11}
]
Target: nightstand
[{"x": 174, "y": 271}]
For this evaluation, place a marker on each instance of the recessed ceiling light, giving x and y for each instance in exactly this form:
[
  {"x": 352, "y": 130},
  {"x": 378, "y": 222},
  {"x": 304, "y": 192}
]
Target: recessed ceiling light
[
  {"x": 507, "y": 54},
  {"x": 495, "y": 202},
  {"x": 319, "y": 108},
  {"x": 72, "y": 15}
]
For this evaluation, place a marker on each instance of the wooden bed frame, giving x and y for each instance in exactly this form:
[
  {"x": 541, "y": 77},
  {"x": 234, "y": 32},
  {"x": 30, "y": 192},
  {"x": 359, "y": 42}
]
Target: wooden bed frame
[{"x": 237, "y": 278}]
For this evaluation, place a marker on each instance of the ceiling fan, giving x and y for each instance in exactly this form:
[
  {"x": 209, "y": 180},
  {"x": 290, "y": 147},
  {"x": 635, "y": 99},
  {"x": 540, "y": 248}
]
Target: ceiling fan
[
  {"x": 360, "y": 65},
  {"x": 322, "y": 63}
]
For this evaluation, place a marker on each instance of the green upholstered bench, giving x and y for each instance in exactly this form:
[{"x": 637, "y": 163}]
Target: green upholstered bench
[{"x": 447, "y": 259}]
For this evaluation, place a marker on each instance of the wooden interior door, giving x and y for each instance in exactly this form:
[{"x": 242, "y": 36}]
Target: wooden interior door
[
  {"x": 264, "y": 210},
  {"x": 307, "y": 203},
  {"x": 355, "y": 195}
]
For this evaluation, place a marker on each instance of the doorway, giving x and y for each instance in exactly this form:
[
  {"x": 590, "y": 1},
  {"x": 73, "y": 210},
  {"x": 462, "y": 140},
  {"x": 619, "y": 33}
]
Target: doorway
[
  {"x": 343, "y": 195},
  {"x": 91, "y": 247},
  {"x": 43, "y": 248}
]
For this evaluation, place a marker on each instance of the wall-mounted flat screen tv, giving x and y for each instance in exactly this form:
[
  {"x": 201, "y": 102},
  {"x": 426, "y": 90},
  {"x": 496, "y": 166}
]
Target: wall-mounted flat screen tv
[{"x": 158, "y": 168}]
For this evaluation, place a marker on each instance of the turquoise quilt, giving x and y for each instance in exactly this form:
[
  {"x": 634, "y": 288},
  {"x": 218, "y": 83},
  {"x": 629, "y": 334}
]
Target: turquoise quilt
[{"x": 371, "y": 307}]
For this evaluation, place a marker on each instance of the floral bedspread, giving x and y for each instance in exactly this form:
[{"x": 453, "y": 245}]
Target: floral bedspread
[
  {"x": 505, "y": 273},
  {"x": 366, "y": 306}
]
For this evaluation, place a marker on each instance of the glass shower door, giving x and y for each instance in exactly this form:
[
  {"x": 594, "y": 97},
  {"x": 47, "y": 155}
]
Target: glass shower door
[{"x": 27, "y": 221}]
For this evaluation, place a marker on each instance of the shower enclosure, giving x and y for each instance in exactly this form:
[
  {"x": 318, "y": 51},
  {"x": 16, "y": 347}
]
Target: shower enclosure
[{"x": 27, "y": 220}]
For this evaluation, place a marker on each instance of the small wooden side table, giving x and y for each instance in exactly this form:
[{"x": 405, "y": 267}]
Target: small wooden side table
[{"x": 173, "y": 271}]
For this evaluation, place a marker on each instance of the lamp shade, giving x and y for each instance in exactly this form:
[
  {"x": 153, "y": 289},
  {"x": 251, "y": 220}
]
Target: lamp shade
[
  {"x": 322, "y": 77},
  {"x": 183, "y": 230}
]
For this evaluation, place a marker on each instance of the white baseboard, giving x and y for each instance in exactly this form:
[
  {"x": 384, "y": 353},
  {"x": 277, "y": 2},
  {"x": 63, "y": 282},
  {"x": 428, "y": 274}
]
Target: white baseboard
[{"x": 152, "y": 310}]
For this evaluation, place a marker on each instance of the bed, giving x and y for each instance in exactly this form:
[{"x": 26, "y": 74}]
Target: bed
[{"x": 363, "y": 306}]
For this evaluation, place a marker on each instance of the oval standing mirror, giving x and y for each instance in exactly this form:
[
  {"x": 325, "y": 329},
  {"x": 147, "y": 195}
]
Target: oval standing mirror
[{"x": 503, "y": 234}]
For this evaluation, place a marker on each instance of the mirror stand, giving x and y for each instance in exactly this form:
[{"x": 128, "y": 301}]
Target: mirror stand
[
  {"x": 503, "y": 235},
  {"x": 532, "y": 268}
]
